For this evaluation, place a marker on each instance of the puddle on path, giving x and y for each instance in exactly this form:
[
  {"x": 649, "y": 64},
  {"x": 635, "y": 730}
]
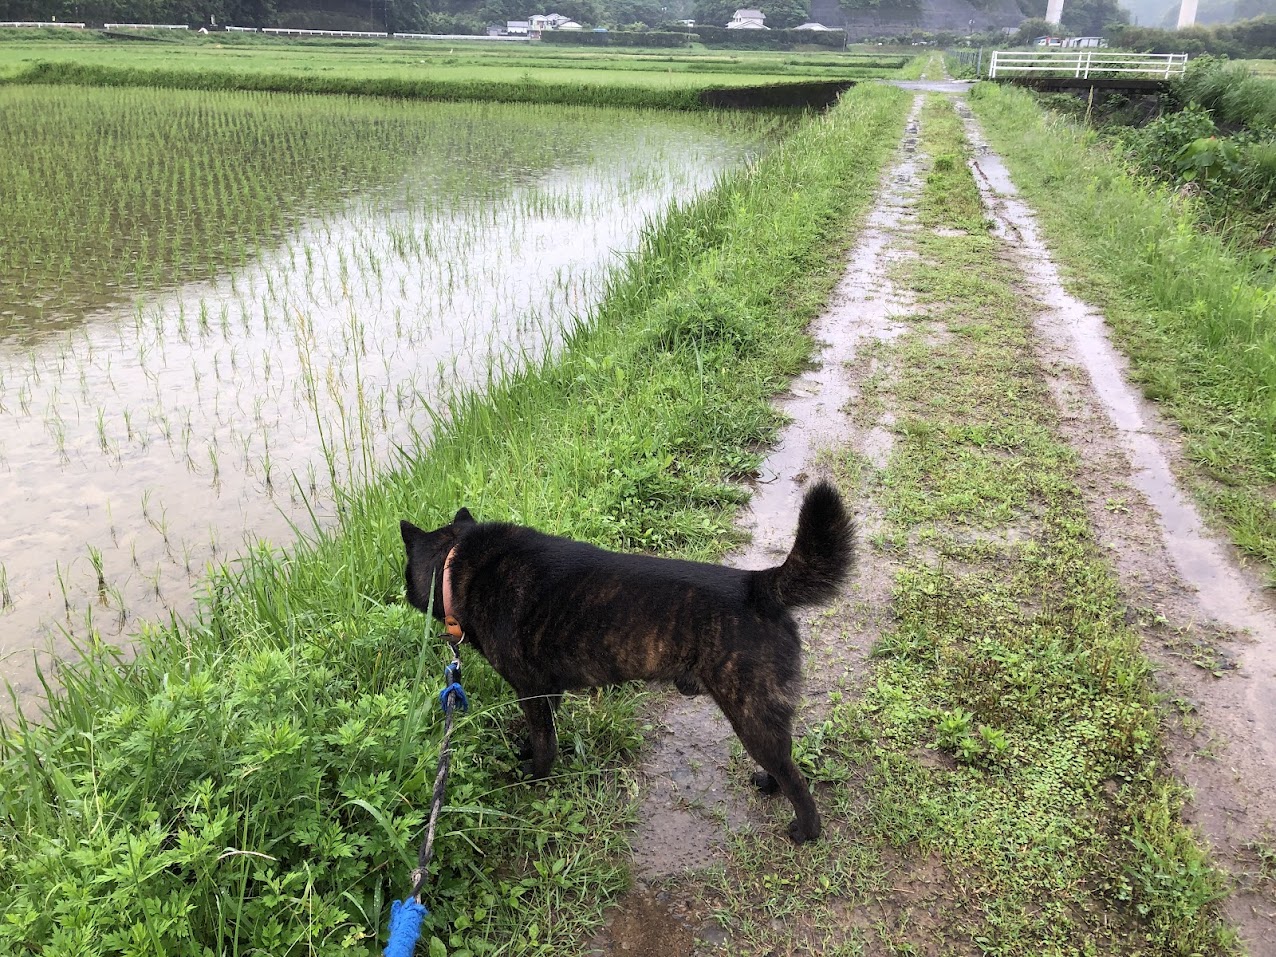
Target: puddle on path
[
  {"x": 690, "y": 803},
  {"x": 1165, "y": 556},
  {"x": 934, "y": 86}
]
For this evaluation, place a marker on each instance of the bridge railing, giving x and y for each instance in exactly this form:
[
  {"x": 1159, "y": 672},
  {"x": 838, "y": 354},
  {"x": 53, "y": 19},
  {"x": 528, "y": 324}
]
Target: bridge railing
[{"x": 1086, "y": 63}]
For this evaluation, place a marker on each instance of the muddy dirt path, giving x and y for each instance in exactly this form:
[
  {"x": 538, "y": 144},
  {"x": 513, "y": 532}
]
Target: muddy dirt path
[
  {"x": 688, "y": 796},
  {"x": 1205, "y": 622},
  {"x": 691, "y": 803}
]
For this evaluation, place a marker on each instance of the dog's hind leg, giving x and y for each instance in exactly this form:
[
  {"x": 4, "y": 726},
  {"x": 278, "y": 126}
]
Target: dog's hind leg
[
  {"x": 541, "y": 736},
  {"x": 765, "y": 731}
]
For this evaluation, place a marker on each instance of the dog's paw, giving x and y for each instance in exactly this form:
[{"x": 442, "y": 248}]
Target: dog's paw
[
  {"x": 689, "y": 685},
  {"x": 765, "y": 783},
  {"x": 800, "y": 835},
  {"x": 527, "y": 772}
]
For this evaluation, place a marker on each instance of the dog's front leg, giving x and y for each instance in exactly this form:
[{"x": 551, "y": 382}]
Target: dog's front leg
[{"x": 541, "y": 736}]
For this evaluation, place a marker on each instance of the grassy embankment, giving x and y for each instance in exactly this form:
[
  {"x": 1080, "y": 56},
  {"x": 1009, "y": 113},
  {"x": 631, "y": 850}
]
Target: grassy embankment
[
  {"x": 428, "y": 69},
  {"x": 1197, "y": 319},
  {"x": 254, "y": 780},
  {"x": 994, "y": 783}
]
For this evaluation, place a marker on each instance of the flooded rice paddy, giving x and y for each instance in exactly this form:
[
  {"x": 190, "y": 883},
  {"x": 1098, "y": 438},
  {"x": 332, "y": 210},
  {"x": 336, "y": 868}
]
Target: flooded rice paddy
[{"x": 217, "y": 308}]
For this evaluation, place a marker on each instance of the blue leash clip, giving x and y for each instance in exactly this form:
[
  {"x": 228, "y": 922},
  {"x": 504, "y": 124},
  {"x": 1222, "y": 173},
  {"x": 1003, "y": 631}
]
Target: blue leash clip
[{"x": 452, "y": 675}]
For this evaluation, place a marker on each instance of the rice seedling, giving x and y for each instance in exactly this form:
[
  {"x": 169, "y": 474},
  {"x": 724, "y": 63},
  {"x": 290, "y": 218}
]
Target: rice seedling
[
  {"x": 285, "y": 323},
  {"x": 95, "y": 558}
]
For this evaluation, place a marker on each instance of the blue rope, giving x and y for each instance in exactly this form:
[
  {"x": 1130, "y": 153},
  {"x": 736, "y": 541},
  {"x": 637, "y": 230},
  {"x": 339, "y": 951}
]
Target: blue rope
[{"x": 405, "y": 927}]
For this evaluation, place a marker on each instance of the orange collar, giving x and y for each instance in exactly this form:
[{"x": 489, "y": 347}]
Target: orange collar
[{"x": 453, "y": 626}]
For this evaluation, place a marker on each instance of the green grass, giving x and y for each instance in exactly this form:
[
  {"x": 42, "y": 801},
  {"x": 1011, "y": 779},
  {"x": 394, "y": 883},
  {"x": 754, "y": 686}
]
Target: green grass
[
  {"x": 993, "y": 783},
  {"x": 1197, "y": 319},
  {"x": 254, "y": 780},
  {"x": 1265, "y": 68},
  {"x": 430, "y": 64},
  {"x": 1234, "y": 94}
]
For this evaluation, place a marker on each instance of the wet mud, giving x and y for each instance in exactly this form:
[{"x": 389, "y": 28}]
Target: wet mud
[{"x": 1208, "y": 624}]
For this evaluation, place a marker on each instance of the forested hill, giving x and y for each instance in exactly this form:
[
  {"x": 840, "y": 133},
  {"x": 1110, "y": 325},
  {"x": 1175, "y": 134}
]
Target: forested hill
[
  {"x": 863, "y": 18},
  {"x": 434, "y": 16},
  {"x": 1165, "y": 13},
  {"x": 444, "y": 16},
  {"x": 887, "y": 18}
]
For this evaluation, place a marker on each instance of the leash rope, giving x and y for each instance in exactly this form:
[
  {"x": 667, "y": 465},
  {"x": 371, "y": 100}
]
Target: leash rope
[
  {"x": 406, "y": 915},
  {"x": 450, "y": 697}
]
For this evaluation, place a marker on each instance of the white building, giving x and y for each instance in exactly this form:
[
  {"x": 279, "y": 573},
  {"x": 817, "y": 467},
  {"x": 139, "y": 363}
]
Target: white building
[
  {"x": 748, "y": 20},
  {"x": 816, "y": 26},
  {"x": 552, "y": 21},
  {"x": 517, "y": 28},
  {"x": 1085, "y": 42}
]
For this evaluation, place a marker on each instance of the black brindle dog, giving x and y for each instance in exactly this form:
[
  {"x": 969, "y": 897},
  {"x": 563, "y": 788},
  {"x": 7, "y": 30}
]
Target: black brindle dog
[{"x": 553, "y": 615}]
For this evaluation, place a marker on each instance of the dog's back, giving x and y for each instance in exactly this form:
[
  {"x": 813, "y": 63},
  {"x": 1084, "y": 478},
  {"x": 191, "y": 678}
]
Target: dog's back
[{"x": 573, "y": 615}]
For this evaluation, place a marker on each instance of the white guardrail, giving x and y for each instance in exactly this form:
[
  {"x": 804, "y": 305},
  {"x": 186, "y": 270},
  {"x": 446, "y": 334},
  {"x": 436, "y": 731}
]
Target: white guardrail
[
  {"x": 289, "y": 32},
  {"x": 41, "y": 23},
  {"x": 1083, "y": 63},
  {"x": 145, "y": 26}
]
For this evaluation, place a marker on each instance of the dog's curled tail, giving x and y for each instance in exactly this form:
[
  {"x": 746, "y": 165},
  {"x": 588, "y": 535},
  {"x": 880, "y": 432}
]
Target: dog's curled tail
[{"x": 821, "y": 555}]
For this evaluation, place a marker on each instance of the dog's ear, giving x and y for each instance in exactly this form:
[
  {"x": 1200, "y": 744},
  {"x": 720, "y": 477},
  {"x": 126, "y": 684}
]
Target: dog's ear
[
  {"x": 410, "y": 532},
  {"x": 463, "y": 517}
]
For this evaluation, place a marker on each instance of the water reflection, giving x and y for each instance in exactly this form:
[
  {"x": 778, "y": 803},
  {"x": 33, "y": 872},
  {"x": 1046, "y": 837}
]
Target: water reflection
[{"x": 148, "y": 439}]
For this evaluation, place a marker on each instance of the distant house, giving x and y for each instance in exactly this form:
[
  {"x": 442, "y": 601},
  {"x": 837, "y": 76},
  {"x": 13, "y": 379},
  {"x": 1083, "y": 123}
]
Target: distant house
[
  {"x": 748, "y": 20},
  {"x": 550, "y": 21},
  {"x": 816, "y": 26},
  {"x": 569, "y": 25},
  {"x": 517, "y": 28},
  {"x": 1085, "y": 42}
]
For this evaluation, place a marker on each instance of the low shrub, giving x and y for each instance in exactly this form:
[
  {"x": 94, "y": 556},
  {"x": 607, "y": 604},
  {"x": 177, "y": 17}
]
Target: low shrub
[
  {"x": 614, "y": 38},
  {"x": 769, "y": 39}
]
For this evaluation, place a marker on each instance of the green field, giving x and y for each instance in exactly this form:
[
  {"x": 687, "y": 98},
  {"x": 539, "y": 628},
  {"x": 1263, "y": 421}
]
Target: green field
[
  {"x": 464, "y": 62},
  {"x": 254, "y": 780},
  {"x": 1259, "y": 67},
  {"x": 251, "y": 777}
]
